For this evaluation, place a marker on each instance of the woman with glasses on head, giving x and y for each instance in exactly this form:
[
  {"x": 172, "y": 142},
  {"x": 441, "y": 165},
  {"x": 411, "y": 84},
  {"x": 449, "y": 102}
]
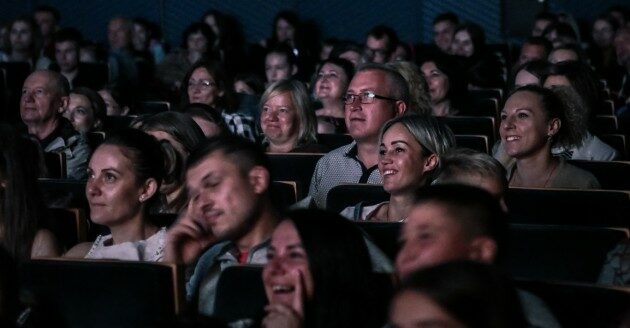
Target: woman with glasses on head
[
  {"x": 288, "y": 123},
  {"x": 206, "y": 83},
  {"x": 409, "y": 152},
  {"x": 331, "y": 82}
]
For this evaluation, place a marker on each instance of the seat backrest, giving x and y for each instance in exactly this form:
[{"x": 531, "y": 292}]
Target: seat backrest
[
  {"x": 62, "y": 193},
  {"x": 69, "y": 226},
  {"x": 618, "y": 142},
  {"x": 344, "y": 195},
  {"x": 113, "y": 123},
  {"x": 152, "y": 107},
  {"x": 298, "y": 167},
  {"x": 283, "y": 194},
  {"x": 594, "y": 208},
  {"x": 480, "y": 125},
  {"x": 95, "y": 138},
  {"x": 240, "y": 293},
  {"x": 385, "y": 235},
  {"x": 605, "y": 124},
  {"x": 560, "y": 253},
  {"x": 581, "y": 305},
  {"x": 473, "y": 141},
  {"x": 56, "y": 164},
  {"x": 87, "y": 293},
  {"x": 483, "y": 107},
  {"x": 97, "y": 74},
  {"x": 611, "y": 175}
]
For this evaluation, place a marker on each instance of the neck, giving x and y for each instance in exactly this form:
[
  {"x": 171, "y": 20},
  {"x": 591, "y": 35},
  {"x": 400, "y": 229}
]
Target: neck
[
  {"x": 536, "y": 170},
  {"x": 283, "y": 147},
  {"x": 71, "y": 74},
  {"x": 332, "y": 107},
  {"x": 442, "y": 108},
  {"x": 367, "y": 152},
  {"x": 193, "y": 56},
  {"x": 43, "y": 129},
  {"x": 20, "y": 55},
  {"x": 261, "y": 229},
  {"x": 400, "y": 205},
  {"x": 134, "y": 230}
]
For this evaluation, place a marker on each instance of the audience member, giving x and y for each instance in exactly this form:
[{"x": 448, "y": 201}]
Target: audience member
[
  {"x": 542, "y": 22},
  {"x": 280, "y": 64},
  {"x": 229, "y": 42},
  {"x": 569, "y": 52},
  {"x": 483, "y": 69},
  {"x": 561, "y": 34},
  {"x": 380, "y": 43},
  {"x": 622, "y": 49},
  {"x": 458, "y": 222},
  {"x": 533, "y": 72},
  {"x": 208, "y": 119},
  {"x": 533, "y": 121},
  {"x": 534, "y": 48},
  {"x": 601, "y": 51},
  {"x": 402, "y": 52},
  {"x": 444, "y": 26},
  {"x": 229, "y": 211},
  {"x": 349, "y": 51},
  {"x": 86, "y": 110},
  {"x": 123, "y": 71},
  {"x": 457, "y": 294},
  {"x": 66, "y": 45},
  {"x": 206, "y": 83},
  {"x": 319, "y": 274},
  {"x": 47, "y": 19},
  {"x": 124, "y": 177},
  {"x": 446, "y": 85},
  {"x": 375, "y": 95},
  {"x": 249, "y": 84},
  {"x": 197, "y": 41},
  {"x": 24, "y": 39},
  {"x": 419, "y": 99},
  {"x": 44, "y": 99},
  {"x": 331, "y": 82},
  {"x": 23, "y": 231},
  {"x": 409, "y": 152},
  {"x": 182, "y": 135},
  {"x": 287, "y": 121},
  {"x": 117, "y": 101}
]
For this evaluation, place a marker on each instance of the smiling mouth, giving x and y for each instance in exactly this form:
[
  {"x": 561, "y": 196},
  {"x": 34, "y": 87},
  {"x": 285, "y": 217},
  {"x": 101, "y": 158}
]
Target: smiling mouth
[
  {"x": 512, "y": 138},
  {"x": 282, "y": 289},
  {"x": 389, "y": 172}
]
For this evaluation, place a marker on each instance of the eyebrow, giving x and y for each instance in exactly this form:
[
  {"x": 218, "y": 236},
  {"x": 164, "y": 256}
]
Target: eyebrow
[{"x": 399, "y": 141}]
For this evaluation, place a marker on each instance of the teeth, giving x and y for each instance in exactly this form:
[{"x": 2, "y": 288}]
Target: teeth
[
  {"x": 388, "y": 172},
  {"x": 282, "y": 288},
  {"x": 512, "y": 138}
]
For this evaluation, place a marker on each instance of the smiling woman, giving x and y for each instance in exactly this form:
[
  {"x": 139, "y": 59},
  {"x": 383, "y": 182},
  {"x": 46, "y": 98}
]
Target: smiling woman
[
  {"x": 409, "y": 152},
  {"x": 124, "y": 177},
  {"x": 319, "y": 274}
]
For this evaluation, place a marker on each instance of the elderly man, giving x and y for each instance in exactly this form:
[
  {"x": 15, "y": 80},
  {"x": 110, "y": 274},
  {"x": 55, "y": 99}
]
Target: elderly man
[
  {"x": 44, "y": 99},
  {"x": 375, "y": 95}
]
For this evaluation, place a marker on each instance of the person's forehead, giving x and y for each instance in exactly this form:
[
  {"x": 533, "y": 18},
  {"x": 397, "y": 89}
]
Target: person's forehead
[
  {"x": 444, "y": 25},
  {"x": 430, "y": 214},
  {"x": 66, "y": 44},
  {"x": 369, "y": 79},
  {"x": 216, "y": 161},
  {"x": 40, "y": 78}
]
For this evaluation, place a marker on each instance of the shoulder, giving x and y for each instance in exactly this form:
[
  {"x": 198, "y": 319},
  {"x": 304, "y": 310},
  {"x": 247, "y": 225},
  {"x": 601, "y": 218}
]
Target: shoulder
[
  {"x": 570, "y": 176},
  {"x": 78, "y": 251},
  {"x": 44, "y": 244}
]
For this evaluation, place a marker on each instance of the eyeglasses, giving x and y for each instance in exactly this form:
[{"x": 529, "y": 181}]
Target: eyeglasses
[
  {"x": 366, "y": 97},
  {"x": 205, "y": 84}
]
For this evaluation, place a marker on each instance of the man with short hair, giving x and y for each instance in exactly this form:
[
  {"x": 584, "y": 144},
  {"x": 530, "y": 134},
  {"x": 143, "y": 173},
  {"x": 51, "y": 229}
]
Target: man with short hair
[
  {"x": 122, "y": 65},
  {"x": 47, "y": 18},
  {"x": 66, "y": 42},
  {"x": 375, "y": 94},
  {"x": 229, "y": 218},
  {"x": 459, "y": 222},
  {"x": 534, "y": 48},
  {"x": 380, "y": 43},
  {"x": 44, "y": 99},
  {"x": 444, "y": 26}
]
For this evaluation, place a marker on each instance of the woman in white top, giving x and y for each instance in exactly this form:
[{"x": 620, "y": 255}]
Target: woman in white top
[
  {"x": 410, "y": 147},
  {"x": 124, "y": 176}
]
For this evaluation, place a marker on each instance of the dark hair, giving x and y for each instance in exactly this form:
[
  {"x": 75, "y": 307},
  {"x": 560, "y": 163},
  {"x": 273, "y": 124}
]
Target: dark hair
[
  {"x": 291, "y": 18},
  {"x": 68, "y": 34},
  {"x": 572, "y": 47},
  {"x": 477, "y": 35},
  {"x": 36, "y": 36},
  {"x": 563, "y": 30},
  {"x": 344, "y": 46},
  {"x": 242, "y": 152},
  {"x": 284, "y": 50},
  {"x": 145, "y": 154},
  {"x": 474, "y": 209},
  {"x": 473, "y": 293},
  {"x": 179, "y": 125},
  {"x": 537, "y": 68},
  {"x": 345, "y": 65},
  {"x": 21, "y": 203},
  {"x": 446, "y": 17},
  {"x": 252, "y": 81},
  {"x": 96, "y": 101},
  {"x": 397, "y": 84},
  {"x": 539, "y": 41},
  {"x": 207, "y": 113},
  {"x": 545, "y": 15},
  {"x": 382, "y": 31},
  {"x": 49, "y": 9},
  {"x": 554, "y": 106},
  {"x": 122, "y": 96},
  {"x": 215, "y": 69},
  {"x": 341, "y": 268},
  {"x": 458, "y": 84},
  {"x": 202, "y": 28},
  {"x": 584, "y": 80}
]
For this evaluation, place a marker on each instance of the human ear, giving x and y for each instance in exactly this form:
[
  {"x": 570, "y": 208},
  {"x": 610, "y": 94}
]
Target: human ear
[
  {"x": 63, "y": 104},
  {"x": 483, "y": 249},
  {"x": 399, "y": 108},
  {"x": 259, "y": 179},
  {"x": 148, "y": 189},
  {"x": 554, "y": 127},
  {"x": 294, "y": 69},
  {"x": 431, "y": 163}
]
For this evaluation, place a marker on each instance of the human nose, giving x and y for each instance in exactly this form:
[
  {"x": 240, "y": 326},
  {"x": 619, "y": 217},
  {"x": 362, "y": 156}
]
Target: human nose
[
  {"x": 507, "y": 123},
  {"x": 92, "y": 187}
]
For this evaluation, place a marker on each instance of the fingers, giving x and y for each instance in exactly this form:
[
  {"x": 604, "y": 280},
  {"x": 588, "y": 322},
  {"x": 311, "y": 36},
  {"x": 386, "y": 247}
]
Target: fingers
[{"x": 298, "y": 295}]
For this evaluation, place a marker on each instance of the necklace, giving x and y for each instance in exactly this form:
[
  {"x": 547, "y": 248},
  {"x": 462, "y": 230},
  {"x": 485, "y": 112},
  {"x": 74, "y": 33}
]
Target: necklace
[{"x": 517, "y": 175}]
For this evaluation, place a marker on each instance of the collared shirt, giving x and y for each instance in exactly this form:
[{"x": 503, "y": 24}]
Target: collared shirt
[
  {"x": 241, "y": 125},
  {"x": 338, "y": 167},
  {"x": 65, "y": 139},
  {"x": 202, "y": 285}
]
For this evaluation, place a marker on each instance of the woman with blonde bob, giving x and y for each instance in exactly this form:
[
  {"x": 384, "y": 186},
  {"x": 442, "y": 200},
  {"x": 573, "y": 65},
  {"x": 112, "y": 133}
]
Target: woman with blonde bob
[{"x": 286, "y": 119}]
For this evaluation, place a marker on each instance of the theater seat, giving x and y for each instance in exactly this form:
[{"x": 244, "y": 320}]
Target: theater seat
[
  {"x": 240, "y": 294},
  {"x": 298, "y": 167},
  {"x": 480, "y": 125},
  {"x": 98, "y": 294},
  {"x": 344, "y": 195},
  {"x": 69, "y": 226},
  {"x": 560, "y": 253},
  {"x": 385, "y": 235},
  {"x": 611, "y": 175},
  {"x": 55, "y": 164},
  {"x": 581, "y": 305},
  {"x": 474, "y": 142}
]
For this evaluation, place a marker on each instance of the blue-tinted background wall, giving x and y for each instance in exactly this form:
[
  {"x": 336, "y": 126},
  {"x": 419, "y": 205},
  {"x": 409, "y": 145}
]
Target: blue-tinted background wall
[{"x": 341, "y": 18}]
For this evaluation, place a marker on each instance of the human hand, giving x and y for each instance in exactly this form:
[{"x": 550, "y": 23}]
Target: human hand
[
  {"x": 284, "y": 316},
  {"x": 187, "y": 238}
]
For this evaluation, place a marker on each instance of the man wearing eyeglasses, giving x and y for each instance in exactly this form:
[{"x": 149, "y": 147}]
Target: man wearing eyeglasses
[{"x": 375, "y": 95}]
